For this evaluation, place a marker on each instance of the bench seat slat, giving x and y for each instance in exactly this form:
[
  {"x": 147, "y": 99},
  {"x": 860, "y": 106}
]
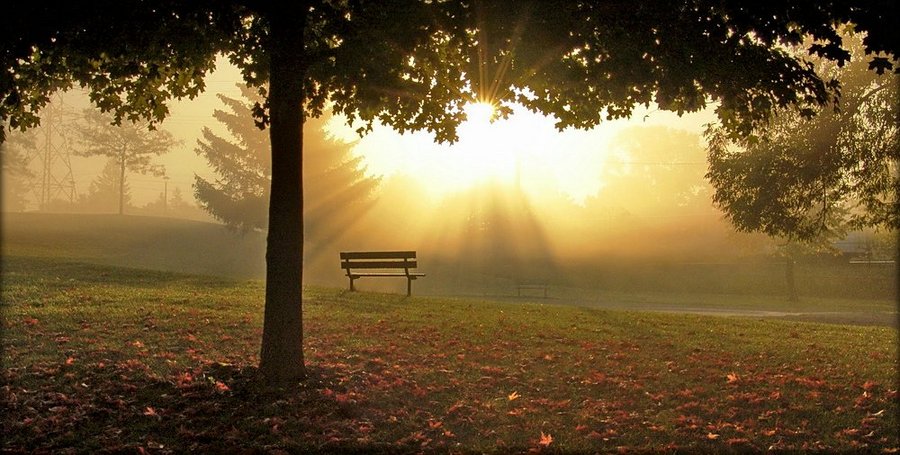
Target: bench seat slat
[
  {"x": 397, "y": 274},
  {"x": 379, "y": 264},
  {"x": 378, "y": 255}
]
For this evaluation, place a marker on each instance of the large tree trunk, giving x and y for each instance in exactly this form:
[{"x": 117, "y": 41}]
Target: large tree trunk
[{"x": 281, "y": 357}]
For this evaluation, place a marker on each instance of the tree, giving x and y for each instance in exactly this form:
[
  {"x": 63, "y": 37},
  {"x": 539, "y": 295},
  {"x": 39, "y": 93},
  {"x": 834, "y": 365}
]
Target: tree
[
  {"x": 413, "y": 65},
  {"x": 107, "y": 192},
  {"x": 812, "y": 179},
  {"x": 131, "y": 145},
  {"x": 809, "y": 181},
  {"x": 15, "y": 171},
  {"x": 239, "y": 197},
  {"x": 336, "y": 193}
]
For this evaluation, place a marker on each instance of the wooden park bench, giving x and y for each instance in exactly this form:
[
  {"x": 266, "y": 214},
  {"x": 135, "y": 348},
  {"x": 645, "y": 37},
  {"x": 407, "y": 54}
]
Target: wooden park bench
[{"x": 381, "y": 264}]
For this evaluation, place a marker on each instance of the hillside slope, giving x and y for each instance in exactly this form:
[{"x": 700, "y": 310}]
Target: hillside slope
[{"x": 167, "y": 244}]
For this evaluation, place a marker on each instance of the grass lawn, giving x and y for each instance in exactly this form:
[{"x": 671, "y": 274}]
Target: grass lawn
[{"x": 99, "y": 358}]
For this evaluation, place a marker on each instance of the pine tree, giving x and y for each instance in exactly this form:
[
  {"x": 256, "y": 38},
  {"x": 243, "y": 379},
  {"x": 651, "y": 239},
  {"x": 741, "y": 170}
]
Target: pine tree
[
  {"x": 15, "y": 172},
  {"x": 107, "y": 192},
  {"x": 336, "y": 189}
]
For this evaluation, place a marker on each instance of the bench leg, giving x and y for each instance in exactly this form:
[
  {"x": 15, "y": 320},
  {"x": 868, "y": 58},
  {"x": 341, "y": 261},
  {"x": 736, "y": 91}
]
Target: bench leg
[
  {"x": 408, "y": 287},
  {"x": 352, "y": 289}
]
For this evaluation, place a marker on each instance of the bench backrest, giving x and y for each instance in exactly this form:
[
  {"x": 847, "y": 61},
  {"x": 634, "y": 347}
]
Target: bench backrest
[{"x": 379, "y": 260}]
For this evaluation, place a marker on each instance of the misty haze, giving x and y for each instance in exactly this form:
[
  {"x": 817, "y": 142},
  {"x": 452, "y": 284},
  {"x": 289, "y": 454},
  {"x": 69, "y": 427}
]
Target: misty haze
[{"x": 499, "y": 246}]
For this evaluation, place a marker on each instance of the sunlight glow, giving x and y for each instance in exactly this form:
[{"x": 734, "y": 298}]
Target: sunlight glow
[
  {"x": 524, "y": 153},
  {"x": 480, "y": 112}
]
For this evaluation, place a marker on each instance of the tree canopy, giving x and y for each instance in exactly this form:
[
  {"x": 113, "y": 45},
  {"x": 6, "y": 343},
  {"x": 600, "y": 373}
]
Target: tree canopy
[
  {"x": 413, "y": 64},
  {"x": 812, "y": 179}
]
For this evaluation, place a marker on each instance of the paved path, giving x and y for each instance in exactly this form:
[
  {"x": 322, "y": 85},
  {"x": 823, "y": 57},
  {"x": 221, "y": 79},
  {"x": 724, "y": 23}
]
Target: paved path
[
  {"x": 887, "y": 319},
  {"x": 872, "y": 318}
]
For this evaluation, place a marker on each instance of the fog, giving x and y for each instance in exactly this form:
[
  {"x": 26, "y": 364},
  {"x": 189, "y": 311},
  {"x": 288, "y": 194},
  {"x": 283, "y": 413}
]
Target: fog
[{"x": 647, "y": 213}]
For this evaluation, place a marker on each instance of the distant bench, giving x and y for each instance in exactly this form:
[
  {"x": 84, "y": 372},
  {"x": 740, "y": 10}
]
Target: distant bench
[
  {"x": 540, "y": 287},
  {"x": 381, "y": 264}
]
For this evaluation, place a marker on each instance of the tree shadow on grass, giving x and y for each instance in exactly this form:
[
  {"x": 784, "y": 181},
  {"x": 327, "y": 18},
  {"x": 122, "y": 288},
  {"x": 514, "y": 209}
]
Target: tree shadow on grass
[{"x": 217, "y": 409}]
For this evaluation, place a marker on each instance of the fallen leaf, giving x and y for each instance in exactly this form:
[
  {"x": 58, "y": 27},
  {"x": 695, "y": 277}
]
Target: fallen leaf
[
  {"x": 732, "y": 378},
  {"x": 455, "y": 407},
  {"x": 546, "y": 439},
  {"x": 221, "y": 387},
  {"x": 70, "y": 360},
  {"x": 513, "y": 396},
  {"x": 149, "y": 411},
  {"x": 712, "y": 436}
]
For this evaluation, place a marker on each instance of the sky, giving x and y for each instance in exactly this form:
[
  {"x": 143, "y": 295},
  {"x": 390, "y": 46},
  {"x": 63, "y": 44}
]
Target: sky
[{"x": 524, "y": 148}]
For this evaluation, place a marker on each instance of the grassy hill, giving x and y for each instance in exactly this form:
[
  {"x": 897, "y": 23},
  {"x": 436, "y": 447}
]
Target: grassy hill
[
  {"x": 831, "y": 292},
  {"x": 168, "y": 244},
  {"x": 100, "y": 358}
]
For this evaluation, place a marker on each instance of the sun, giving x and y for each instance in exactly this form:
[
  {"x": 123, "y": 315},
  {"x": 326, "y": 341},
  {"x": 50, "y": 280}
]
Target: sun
[
  {"x": 479, "y": 113},
  {"x": 484, "y": 151}
]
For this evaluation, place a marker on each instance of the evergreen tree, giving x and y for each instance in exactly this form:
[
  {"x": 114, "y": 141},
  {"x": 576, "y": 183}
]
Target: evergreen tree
[
  {"x": 107, "y": 191},
  {"x": 15, "y": 173},
  {"x": 336, "y": 189}
]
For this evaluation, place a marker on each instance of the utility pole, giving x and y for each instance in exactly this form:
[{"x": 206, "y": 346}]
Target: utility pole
[
  {"x": 165, "y": 193},
  {"x": 122, "y": 164}
]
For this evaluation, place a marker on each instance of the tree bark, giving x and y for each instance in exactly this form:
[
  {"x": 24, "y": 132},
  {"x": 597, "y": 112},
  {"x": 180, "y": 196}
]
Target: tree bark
[{"x": 281, "y": 356}]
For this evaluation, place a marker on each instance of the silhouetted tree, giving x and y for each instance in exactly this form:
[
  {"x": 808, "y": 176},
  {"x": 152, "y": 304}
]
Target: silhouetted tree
[
  {"x": 15, "y": 172},
  {"x": 336, "y": 193},
  {"x": 805, "y": 179},
  {"x": 131, "y": 145},
  {"x": 239, "y": 196},
  {"x": 107, "y": 192},
  {"x": 413, "y": 65},
  {"x": 809, "y": 181}
]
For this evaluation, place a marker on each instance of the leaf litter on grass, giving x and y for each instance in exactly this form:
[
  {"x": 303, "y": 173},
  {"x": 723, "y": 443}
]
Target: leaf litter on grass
[{"x": 152, "y": 369}]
